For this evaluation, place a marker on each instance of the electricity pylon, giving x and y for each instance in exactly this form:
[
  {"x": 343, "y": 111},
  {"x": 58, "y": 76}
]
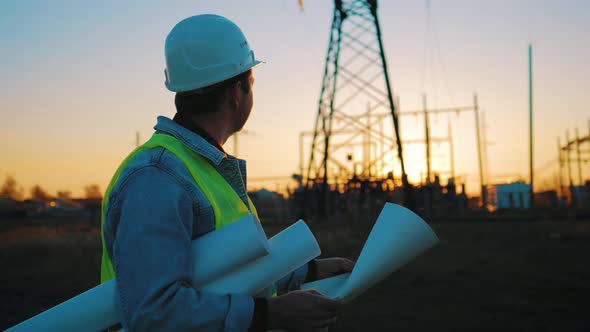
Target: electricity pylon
[{"x": 355, "y": 84}]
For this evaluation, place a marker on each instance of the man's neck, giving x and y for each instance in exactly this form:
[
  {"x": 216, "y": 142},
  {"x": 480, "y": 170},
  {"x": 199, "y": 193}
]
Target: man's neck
[{"x": 211, "y": 126}]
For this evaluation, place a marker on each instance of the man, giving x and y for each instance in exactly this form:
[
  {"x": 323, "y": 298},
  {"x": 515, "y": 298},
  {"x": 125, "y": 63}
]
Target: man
[{"x": 181, "y": 185}]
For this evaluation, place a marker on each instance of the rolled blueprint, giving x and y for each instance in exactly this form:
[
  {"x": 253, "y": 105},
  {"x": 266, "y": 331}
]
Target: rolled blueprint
[
  {"x": 289, "y": 250},
  {"x": 215, "y": 254},
  {"x": 397, "y": 237}
]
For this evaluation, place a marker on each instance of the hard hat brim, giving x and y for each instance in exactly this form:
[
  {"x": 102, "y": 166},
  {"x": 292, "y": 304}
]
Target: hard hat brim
[{"x": 214, "y": 80}]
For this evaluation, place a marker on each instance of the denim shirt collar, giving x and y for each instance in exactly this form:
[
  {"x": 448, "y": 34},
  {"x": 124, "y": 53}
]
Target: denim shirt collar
[{"x": 193, "y": 141}]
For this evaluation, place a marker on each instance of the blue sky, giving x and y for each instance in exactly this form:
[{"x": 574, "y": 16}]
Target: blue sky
[{"x": 80, "y": 78}]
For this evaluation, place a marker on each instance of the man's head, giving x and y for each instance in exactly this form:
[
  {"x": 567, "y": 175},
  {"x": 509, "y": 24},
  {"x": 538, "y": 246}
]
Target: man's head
[
  {"x": 233, "y": 95},
  {"x": 208, "y": 65}
]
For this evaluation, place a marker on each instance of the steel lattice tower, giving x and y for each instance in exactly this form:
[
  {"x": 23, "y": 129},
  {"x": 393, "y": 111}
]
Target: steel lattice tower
[{"x": 356, "y": 106}]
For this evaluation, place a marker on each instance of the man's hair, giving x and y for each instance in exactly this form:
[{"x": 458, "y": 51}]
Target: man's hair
[{"x": 210, "y": 98}]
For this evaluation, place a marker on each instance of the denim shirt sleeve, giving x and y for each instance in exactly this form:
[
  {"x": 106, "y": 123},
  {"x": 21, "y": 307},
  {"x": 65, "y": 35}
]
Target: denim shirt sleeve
[{"x": 150, "y": 245}]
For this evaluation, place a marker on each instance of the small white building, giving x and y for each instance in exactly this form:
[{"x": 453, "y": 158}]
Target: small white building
[{"x": 514, "y": 195}]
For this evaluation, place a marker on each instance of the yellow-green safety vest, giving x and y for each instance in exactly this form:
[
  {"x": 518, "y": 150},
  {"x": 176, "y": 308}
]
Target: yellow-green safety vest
[{"x": 227, "y": 205}]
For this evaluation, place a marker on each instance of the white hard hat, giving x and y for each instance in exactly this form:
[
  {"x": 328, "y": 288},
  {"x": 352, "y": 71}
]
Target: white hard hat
[{"x": 203, "y": 50}]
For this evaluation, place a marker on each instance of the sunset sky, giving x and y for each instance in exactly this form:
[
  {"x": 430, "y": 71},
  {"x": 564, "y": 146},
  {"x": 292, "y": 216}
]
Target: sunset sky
[{"x": 80, "y": 78}]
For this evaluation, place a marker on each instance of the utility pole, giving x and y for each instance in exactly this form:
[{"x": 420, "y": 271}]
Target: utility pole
[
  {"x": 367, "y": 152},
  {"x": 137, "y": 139},
  {"x": 301, "y": 154},
  {"x": 452, "y": 153},
  {"x": 484, "y": 134},
  {"x": 397, "y": 107},
  {"x": 479, "y": 161},
  {"x": 569, "y": 166},
  {"x": 560, "y": 163},
  {"x": 427, "y": 139},
  {"x": 382, "y": 147},
  {"x": 581, "y": 183},
  {"x": 532, "y": 194},
  {"x": 568, "y": 161}
]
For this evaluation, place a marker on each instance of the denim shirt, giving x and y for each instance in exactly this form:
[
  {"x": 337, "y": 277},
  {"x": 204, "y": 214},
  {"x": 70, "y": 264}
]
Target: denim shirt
[{"x": 155, "y": 210}]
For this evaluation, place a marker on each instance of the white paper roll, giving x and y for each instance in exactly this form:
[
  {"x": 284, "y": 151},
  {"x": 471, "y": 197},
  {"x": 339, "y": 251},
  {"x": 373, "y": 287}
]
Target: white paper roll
[
  {"x": 289, "y": 250},
  {"x": 216, "y": 253},
  {"x": 398, "y": 236},
  {"x": 93, "y": 310}
]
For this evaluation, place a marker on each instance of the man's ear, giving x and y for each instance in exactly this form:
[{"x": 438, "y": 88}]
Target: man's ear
[{"x": 236, "y": 94}]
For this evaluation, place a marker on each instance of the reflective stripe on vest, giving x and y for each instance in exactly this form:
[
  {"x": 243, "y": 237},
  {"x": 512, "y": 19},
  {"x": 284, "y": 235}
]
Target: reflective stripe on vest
[{"x": 227, "y": 205}]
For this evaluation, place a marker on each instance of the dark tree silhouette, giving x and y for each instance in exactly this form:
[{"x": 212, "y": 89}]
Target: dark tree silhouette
[
  {"x": 11, "y": 189},
  {"x": 93, "y": 191},
  {"x": 40, "y": 194}
]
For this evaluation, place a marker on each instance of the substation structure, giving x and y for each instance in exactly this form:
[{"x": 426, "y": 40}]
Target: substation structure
[
  {"x": 357, "y": 115},
  {"x": 361, "y": 161},
  {"x": 355, "y": 81},
  {"x": 573, "y": 156}
]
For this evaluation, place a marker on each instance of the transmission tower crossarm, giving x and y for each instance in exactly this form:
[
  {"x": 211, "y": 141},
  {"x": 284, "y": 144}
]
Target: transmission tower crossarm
[{"x": 439, "y": 110}]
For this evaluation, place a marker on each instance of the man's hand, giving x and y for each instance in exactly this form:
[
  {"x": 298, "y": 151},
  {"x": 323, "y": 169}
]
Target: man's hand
[
  {"x": 329, "y": 267},
  {"x": 302, "y": 310}
]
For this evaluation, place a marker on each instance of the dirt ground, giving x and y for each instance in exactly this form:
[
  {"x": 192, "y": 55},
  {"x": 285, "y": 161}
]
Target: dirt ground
[{"x": 525, "y": 276}]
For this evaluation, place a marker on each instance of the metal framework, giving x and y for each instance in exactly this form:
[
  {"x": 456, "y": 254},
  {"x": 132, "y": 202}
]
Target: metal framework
[
  {"x": 355, "y": 85},
  {"x": 475, "y": 108},
  {"x": 564, "y": 152}
]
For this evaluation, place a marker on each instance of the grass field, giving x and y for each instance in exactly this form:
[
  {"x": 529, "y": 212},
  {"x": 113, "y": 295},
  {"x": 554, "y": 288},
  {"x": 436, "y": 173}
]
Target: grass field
[{"x": 525, "y": 276}]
